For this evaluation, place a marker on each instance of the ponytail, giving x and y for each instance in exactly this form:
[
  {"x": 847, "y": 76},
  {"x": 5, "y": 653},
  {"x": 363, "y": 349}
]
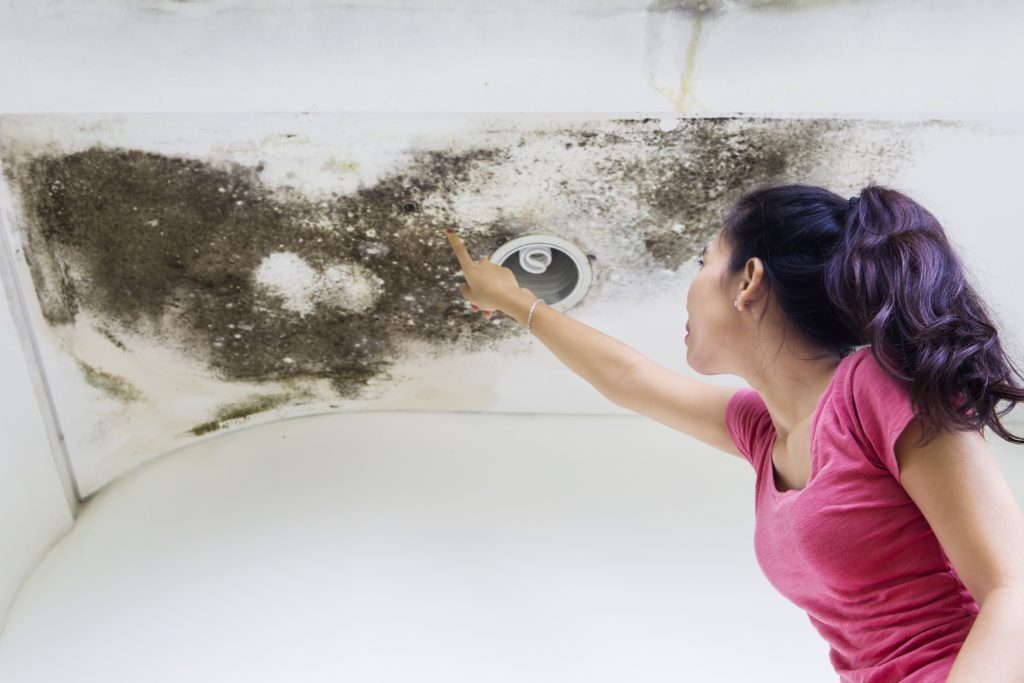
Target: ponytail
[{"x": 878, "y": 270}]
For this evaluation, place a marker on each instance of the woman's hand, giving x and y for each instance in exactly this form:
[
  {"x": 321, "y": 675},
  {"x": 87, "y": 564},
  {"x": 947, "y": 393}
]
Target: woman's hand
[{"x": 488, "y": 286}]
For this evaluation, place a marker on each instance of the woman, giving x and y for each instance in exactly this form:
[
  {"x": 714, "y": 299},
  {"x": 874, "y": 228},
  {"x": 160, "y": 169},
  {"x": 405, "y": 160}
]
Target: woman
[{"x": 873, "y": 369}]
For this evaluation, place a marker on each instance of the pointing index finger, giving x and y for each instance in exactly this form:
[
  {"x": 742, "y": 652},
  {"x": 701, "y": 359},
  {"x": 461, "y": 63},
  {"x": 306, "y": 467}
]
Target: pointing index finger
[{"x": 465, "y": 259}]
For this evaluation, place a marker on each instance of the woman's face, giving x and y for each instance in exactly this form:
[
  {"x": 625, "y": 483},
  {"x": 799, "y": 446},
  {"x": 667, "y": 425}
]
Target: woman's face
[{"x": 714, "y": 324}]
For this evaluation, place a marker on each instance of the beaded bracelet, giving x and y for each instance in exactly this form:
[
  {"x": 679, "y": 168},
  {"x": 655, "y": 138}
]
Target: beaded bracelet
[{"x": 531, "y": 314}]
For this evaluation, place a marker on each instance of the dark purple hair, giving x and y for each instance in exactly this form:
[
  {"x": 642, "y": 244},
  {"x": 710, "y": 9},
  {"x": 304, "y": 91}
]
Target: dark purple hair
[{"x": 878, "y": 270}]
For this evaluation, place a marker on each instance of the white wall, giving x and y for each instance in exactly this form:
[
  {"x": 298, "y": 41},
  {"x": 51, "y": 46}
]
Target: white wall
[
  {"x": 529, "y": 55},
  {"x": 35, "y": 509}
]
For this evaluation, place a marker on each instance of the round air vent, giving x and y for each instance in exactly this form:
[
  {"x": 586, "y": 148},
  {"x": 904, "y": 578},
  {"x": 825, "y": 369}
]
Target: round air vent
[{"x": 553, "y": 269}]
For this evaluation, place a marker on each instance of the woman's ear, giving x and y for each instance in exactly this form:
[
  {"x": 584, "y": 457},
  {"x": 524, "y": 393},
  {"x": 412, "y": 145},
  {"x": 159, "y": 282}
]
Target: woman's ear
[{"x": 753, "y": 281}]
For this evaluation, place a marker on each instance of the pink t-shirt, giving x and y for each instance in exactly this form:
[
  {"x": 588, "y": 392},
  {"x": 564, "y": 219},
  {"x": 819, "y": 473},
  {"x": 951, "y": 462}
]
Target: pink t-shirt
[{"x": 851, "y": 548}]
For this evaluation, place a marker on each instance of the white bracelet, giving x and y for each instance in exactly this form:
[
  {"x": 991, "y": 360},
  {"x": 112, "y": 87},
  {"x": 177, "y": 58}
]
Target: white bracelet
[{"x": 531, "y": 314}]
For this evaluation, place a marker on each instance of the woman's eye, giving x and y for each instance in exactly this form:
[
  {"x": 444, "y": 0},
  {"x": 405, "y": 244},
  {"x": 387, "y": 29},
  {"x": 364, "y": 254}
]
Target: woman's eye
[{"x": 700, "y": 260}]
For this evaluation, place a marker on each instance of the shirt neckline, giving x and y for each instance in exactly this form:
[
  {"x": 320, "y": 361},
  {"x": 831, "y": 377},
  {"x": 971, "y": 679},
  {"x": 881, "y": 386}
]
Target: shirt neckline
[{"x": 825, "y": 396}]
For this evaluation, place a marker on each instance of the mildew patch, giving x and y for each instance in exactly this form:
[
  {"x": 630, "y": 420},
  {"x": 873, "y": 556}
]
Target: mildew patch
[
  {"x": 115, "y": 386},
  {"x": 266, "y": 284},
  {"x": 241, "y": 409},
  {"x": 132, "y": 234}
]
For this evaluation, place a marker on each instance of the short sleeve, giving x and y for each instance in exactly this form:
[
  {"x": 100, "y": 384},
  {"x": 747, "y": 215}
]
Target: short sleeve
[
  {"x": 748, "y": 422},
  {"x": 882, "y": 408}
]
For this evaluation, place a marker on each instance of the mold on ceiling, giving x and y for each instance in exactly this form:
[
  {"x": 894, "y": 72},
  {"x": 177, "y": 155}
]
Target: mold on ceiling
[{"x": 301, "y": 291}]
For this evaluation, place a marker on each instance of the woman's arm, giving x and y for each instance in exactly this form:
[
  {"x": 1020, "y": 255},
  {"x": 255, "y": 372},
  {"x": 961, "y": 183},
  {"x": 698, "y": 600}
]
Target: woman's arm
[
  {"x": 600, "y": 359},
  {"x": 969, "y": 505},
  {"x": 994, "y": 649}
]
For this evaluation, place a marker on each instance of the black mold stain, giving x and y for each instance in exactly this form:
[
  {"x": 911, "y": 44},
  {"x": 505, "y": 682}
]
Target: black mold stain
[
  {"x": 717, "y": 167},
  {"x": 130, "y": 234},
  {"x": 113, "y": 340},
  {"x": 134, "y": 236}
]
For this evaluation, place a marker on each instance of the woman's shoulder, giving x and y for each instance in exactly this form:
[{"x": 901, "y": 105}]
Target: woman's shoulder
[
  {"x": 878, "y": 406},
  {"x": 864, "y": 374},
  {"x": 875, "y": 397},
  {"x": 748, "y": 422}
]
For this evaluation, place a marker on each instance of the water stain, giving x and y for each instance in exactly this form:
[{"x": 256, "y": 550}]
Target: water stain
[
  {"x": 695, "y": 8},
  {"x": 699, "y": 9},
  {"x": 265, "y": 284}
]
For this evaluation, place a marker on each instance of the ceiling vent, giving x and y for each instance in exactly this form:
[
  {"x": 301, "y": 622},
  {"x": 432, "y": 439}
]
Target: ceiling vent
[{"x": 550, "y": 267}]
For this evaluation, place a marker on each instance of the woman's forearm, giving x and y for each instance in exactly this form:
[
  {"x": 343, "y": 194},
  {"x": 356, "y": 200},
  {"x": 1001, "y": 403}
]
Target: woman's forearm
[
  {"x": 600, "y": 359},
  {"x": 994, "y": 649}
]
